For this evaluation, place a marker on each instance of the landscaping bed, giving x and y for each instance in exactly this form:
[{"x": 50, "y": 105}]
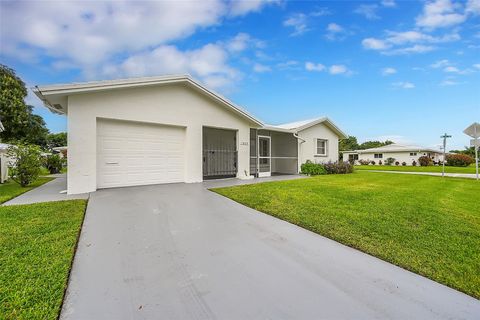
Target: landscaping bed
[
  {"x": 425, "y": 224},
  {"x": 448, "y": 169},
  {"x": 37, "y": 244}
]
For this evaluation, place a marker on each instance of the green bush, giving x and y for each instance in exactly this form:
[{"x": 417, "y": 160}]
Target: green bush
[
  {"x": 24, "y": 163},
  {"x": 425, "y": 161},
  {"x": 53, "y": 163},
  {"x": 312, "y": 169},
  {"x": 389, "y": 161},
  {"x": 458, "y": 160},
  {"x": 339, "y": 167}
]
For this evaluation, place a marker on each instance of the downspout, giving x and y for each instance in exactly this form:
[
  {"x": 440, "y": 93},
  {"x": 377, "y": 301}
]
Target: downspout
[{"x": 295, "y": 134}]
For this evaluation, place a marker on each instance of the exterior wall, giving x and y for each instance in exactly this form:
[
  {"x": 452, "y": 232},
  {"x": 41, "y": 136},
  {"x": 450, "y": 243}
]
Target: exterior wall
[
  {"x": 307, "y": 149},
  {"x": 176, "y": 105},
  {"x": 398, "y": 156}
]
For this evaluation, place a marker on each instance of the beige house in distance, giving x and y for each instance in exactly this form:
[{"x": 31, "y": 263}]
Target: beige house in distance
[{"x": 399, "y": 152}]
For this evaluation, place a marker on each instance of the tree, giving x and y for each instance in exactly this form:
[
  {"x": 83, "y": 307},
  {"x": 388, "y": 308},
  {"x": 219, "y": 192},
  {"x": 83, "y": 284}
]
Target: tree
[
  {"x": 21, "y": 125},
  {"x": 57, "y": 139},
  {"x": 25, "y": 163},
  {"x": 469, "y": 151},
  {"x": 374, "y": 144},
  {"x": 350, "y": 143}
]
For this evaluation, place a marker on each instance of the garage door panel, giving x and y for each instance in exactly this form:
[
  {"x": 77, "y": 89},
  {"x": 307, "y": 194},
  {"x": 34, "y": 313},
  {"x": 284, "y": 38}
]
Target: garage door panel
[{"x": 131, "y": 153}]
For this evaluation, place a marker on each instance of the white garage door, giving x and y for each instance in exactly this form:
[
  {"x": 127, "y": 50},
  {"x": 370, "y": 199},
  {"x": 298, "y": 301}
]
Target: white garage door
[{"x": 135, "y": 153}]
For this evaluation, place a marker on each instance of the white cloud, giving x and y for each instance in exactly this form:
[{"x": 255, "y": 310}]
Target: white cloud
[
  {"x": 209, "y": 63},
  {"x": 412, "y": 36},
  {"x": 288, "y": 65},
  {"x": 451, "y": 69},
  {"x": 298, "y": 22},
  {"x": 240, "y": 8},
  {"x": 333, "y": 27},
  {"x": 369, "y": 11},
  {"x": 403, "y": 85},
  {"x": 440, "y": 13},
  {"x": 448, "y": 82},
  {"x": 477, "y": 65},
  {"x": 239, "y": 42},
  {"x": 389, "y": 3},
  {"x": 388, "y": 71},
  {"x": 310, "y": 66},
  {"x": 335, "y": 32},
  {"x": 89, "y": 35},
  {"x": 338, "y": 69},
  {"x": 320, "y": 12},
  {"x": 473, "y": 7},
  {"x": 375, "y": 44},
  {"x": 393, "y": 42},
  {"x": 418, "y": 48},
  {"x": 260, "y": 68},
  {"x": 440, "y": 64}
]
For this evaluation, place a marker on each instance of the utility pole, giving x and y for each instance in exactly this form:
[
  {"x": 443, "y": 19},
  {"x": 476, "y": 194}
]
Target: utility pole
[{"x": 445, "y": 136}]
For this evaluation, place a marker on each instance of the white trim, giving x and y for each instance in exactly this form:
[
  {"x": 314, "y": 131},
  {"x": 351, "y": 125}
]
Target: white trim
[
  {"x": 316, "y": 148},
  {"x": 269, "y": 173},
  {"x": 43, "y": 92}
]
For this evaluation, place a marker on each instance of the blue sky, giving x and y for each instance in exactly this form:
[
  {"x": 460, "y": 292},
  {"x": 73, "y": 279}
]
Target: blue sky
[{"x": 403, "y": 70}]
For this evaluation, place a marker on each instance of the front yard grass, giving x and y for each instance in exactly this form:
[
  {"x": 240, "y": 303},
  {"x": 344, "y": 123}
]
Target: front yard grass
[
  {"x": 10, "y": 189},
  {"x": 448, "y": 169},
  {"x": 428, "y": 225},
  {"x": 37, "y": 243}
]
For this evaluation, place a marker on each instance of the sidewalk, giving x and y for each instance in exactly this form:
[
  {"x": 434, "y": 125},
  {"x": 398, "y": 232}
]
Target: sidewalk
[
  {"x": 49, "y": 191},
  {"x": 453, "y": 175}
]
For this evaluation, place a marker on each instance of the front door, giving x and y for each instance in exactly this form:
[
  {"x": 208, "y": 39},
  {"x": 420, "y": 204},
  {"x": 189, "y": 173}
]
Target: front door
[{"x": 264, "y": 156}]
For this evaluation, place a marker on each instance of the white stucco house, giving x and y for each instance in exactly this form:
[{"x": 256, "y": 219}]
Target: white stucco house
[
  {"x": 399, "y": 152},
  {"x": 173, "y": 129}
]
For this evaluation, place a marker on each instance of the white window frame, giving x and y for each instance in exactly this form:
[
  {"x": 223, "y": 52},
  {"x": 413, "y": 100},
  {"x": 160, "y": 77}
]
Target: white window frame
[
  {"x": 413, "y": 154},
  {"x": 380, "y": 155},
  {"x": 316, "y": 148}
]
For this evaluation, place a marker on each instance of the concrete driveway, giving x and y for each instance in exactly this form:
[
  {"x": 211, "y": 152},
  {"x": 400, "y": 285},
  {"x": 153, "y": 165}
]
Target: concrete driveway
[{"x": 180, "y": 251}]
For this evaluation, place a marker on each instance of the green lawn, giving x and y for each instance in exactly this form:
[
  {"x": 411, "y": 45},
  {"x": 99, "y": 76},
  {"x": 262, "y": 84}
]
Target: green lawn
[
  {"x": 469, "y": 169},
  {"x": 11, "y": 189},
  {"x": 425, "y": 224},
  {"x": 37, "y": 244}
]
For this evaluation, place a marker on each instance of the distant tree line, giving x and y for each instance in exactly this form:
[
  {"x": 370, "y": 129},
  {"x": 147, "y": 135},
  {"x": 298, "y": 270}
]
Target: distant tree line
[
  {"x": 470, "y": 151},
  {"x": 351, "y": 143},
  {"x": 21, "y": 124}
]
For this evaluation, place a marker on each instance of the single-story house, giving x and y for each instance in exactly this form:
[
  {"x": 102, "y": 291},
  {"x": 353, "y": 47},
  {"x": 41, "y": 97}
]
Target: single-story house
[
  {"x": 173, "y": 129},
  {"x": 401, "y": 153}
]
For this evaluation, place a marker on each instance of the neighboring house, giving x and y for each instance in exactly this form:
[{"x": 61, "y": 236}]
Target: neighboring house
[
  {"x": 172, "y": 129},
  {"x": 399, "y": 152},
  {"x": 2, "y": 128},
  {"x": 61, "y": 151},
  {"x": 3, "y": 162}
]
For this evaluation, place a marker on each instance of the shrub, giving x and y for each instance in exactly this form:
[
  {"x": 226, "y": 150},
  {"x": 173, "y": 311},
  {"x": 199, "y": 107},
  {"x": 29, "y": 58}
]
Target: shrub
[
  {"x": 425, "y": 161},
  {"x": 379, "y": 162},
  {"x": 312, "y": 169},
  {"x": 53, "y": 163},
  {"x": 372, "y": 162},
  {"x": 24, "y": 163},
  {"x": 389, "y": 161},
  {"x": 397, "y": 163},
  {"x": 414, "y": 163},
  {"x": 339, "y": 167},
  {"x": 458, "y": 160},
  {"x": 404, "y": 163},
  {"x": 364, "y": 162}
]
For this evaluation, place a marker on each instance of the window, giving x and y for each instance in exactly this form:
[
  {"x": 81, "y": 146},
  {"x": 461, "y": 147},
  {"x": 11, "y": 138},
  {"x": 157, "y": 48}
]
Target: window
[
  {"x": 321, "y": 147},
  {"x": 378, "y": 155},
  {"x": 352, "y": 157},
  {"x": 413, "y": 154}
]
